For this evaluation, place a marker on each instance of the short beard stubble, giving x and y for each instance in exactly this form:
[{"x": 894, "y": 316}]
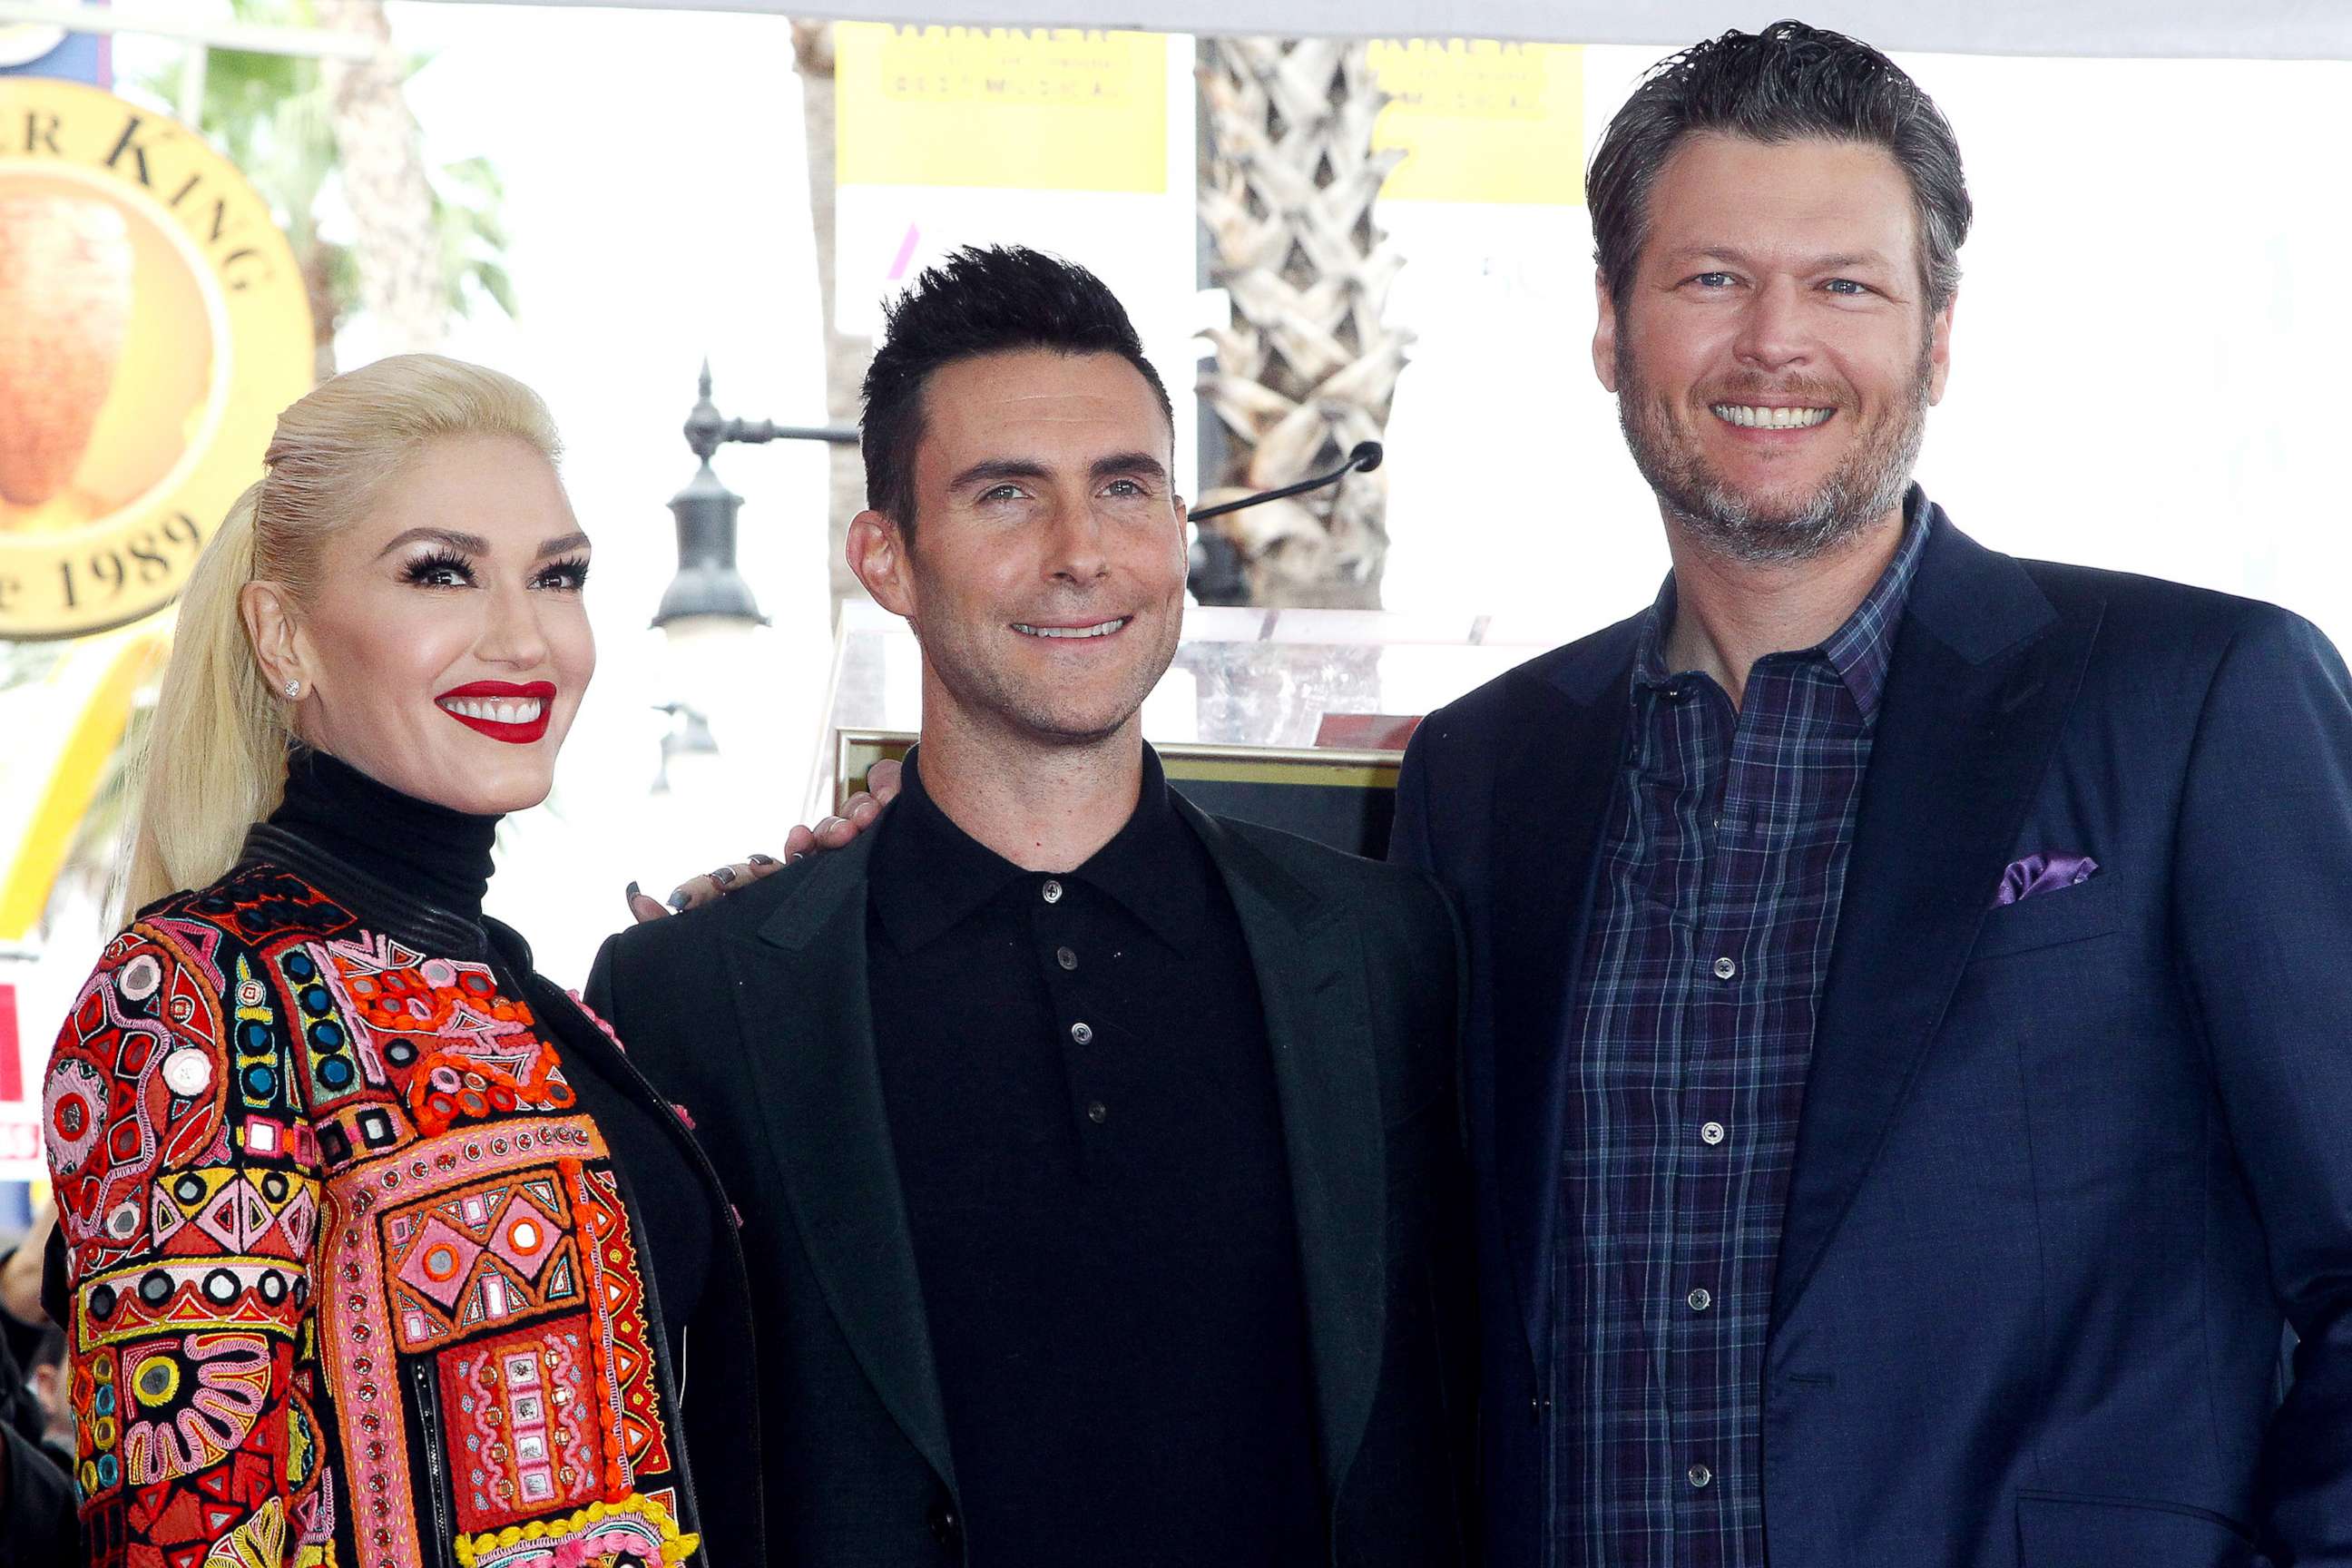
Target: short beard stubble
[
  {"x": 1859, "y": 491},
  {"x": 992, "y": 696}
]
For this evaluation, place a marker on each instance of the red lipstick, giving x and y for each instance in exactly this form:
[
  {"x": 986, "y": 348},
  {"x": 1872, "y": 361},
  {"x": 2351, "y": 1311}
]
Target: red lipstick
[{"x": 484, "y": 698}]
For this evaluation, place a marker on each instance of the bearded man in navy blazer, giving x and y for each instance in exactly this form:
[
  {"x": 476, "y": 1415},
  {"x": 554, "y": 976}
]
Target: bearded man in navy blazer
[{"x": 1908, "y": 1070}]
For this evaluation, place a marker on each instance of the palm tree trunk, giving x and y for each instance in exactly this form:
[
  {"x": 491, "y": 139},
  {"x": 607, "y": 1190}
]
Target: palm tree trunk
[
  {"x": 381, "y": 154},
  {"x": 318, "y": 265},
  {"x": 845, "y": 358},
  {"x": 1309, "y": 367}
]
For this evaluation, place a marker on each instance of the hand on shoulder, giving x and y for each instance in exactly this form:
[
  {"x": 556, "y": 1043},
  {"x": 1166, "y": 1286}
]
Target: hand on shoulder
[{"x": 857, "y": 813}]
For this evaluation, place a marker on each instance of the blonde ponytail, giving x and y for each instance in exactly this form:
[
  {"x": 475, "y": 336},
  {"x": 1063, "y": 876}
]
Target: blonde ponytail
[{"x": 214, "y": 761}]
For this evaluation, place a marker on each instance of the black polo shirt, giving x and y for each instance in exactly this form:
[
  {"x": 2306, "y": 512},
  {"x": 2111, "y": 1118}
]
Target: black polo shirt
[{"x": 1081, "y": 1099}]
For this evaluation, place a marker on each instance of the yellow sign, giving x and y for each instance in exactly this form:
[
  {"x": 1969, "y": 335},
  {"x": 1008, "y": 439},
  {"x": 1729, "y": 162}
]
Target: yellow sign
[
  {"x": 67, "y": 724},
  {"x": 1049, "y": 109},
  {"x": 152, "y": 323},
  {"x": 1483, "y": 121}
]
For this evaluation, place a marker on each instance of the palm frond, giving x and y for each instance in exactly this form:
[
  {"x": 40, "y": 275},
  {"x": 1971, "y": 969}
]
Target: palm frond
[{"x": 270, "y": 115}]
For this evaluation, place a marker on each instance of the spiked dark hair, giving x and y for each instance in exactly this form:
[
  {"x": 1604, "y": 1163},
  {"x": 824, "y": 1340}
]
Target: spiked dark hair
[
  {"x": 1789, "y": 81},
  {"x": 996, "y": 300}
]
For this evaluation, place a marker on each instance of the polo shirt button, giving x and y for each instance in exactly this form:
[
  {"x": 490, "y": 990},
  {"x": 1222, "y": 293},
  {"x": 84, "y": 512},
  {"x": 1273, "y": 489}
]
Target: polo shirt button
[
  {"x": 1711, "y": 1135},
  {"x": 1098, "y": 1113},
  {"x": 1724, "y": 968},
  {"x": 1082, "y": 1033},
  {"x": 1051, "y": 891},
  {"x": 1700, "y": 1301},
  {"x": 1065, "y": 958},
  {"x": 1700, "y": 1474}
]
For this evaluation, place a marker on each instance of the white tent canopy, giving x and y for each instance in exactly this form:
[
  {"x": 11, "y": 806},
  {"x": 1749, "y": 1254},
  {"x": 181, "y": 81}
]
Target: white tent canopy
[{"x": 2276, "y": 29}]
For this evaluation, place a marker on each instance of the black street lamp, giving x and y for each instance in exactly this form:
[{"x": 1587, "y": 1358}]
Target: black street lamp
[
  {"x": 708, "y": 613},
  {"x": 707, "y": 588}
]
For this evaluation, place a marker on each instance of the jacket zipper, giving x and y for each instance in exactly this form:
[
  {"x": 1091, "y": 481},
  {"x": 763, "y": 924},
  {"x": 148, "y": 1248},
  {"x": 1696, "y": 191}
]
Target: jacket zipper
[{"x": 428, "y": 1422}]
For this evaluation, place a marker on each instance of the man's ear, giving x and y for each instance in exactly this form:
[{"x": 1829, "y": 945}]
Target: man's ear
[
  {"x": 878, "y": 554},
  {"x": 273, "y": 628},
  {"x": 1604, "y": 333},
  {"x": 1940, "y": 348}
]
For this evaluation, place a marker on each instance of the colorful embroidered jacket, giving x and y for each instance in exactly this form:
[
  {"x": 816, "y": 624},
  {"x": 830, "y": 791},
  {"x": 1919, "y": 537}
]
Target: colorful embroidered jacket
[{"x": 351, "y": 1279}]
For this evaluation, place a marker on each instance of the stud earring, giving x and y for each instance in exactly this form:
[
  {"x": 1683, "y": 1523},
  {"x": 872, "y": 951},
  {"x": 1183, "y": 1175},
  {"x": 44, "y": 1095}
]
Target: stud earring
[{"x": 293, "y": 688}]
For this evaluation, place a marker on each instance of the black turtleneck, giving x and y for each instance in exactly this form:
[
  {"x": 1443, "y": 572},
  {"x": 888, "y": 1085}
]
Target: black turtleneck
[
  {"x": 440, "y": 856},
  {"x": 442, "y": 859}
]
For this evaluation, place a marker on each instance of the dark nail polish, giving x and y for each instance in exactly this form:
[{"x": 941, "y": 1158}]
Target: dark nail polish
[
  {"x": 763, "y": 859},
  {"x": 795, "y": 856},
  {"x": 678, "y": 901},
  {"x": 634, "y": 892},
  {"x": 724, "y": 876}
]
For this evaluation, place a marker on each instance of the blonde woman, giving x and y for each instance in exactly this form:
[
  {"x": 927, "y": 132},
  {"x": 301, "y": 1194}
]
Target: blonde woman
[{"x": 375, "y": 1249}]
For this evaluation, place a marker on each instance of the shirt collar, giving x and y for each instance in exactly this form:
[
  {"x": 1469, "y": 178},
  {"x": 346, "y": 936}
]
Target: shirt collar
[
  {"x": 1155, "y": 868},
  {"x": 929, "y": 876},
  {"x": 1860, "y": 651}
]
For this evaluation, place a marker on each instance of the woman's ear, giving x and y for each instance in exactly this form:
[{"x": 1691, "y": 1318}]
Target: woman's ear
[{"x": 271, "y": 626}]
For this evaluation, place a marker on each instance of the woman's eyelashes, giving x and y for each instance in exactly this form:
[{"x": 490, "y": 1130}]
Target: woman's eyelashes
[
  {"x": 442, "y": 569},
  {"x": 568, "y": 576},
  {"x": 446, "y": 569}
]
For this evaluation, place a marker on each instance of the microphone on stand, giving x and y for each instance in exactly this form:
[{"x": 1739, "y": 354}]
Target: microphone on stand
[{"x": 1362, "y": 459}]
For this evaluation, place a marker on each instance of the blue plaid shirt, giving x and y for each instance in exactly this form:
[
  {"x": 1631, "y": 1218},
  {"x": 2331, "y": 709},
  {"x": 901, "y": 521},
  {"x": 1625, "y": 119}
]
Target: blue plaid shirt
[{"x": 1689, "y": 1033}]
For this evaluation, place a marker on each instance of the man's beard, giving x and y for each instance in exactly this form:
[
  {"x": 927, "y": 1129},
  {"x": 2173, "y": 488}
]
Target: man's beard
[{"x": 1867, "y": 485}]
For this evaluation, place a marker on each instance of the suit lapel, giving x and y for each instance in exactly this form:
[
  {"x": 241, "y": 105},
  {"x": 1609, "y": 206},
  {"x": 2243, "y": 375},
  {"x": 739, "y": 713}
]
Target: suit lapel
[
  {"x": 1551, "y": 809},
  {"x": 1311, "y": 973},
  {"x": 1983, "y": 674},
  {"x": 800, "y": 989}
]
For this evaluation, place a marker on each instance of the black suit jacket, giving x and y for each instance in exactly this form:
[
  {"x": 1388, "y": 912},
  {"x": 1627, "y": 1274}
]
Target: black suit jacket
[
  {"x": 2065, "y": 1166},
  {"x": 755, "y": 1013}
]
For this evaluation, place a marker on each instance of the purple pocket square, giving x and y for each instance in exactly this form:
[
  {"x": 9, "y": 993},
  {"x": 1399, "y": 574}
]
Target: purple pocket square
[{"x": 2039, "y": 873}]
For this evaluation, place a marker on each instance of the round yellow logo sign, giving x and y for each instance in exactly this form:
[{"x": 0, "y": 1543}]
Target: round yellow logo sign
[{"x": 153, "y": 324}]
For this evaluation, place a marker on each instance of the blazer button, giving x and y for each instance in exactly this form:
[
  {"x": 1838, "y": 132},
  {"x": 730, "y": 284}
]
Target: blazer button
[{"x": 946, "y": 1528}]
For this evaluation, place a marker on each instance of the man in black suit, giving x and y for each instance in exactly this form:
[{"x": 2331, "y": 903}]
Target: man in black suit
[{"x": 1099, "y": 1159}]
